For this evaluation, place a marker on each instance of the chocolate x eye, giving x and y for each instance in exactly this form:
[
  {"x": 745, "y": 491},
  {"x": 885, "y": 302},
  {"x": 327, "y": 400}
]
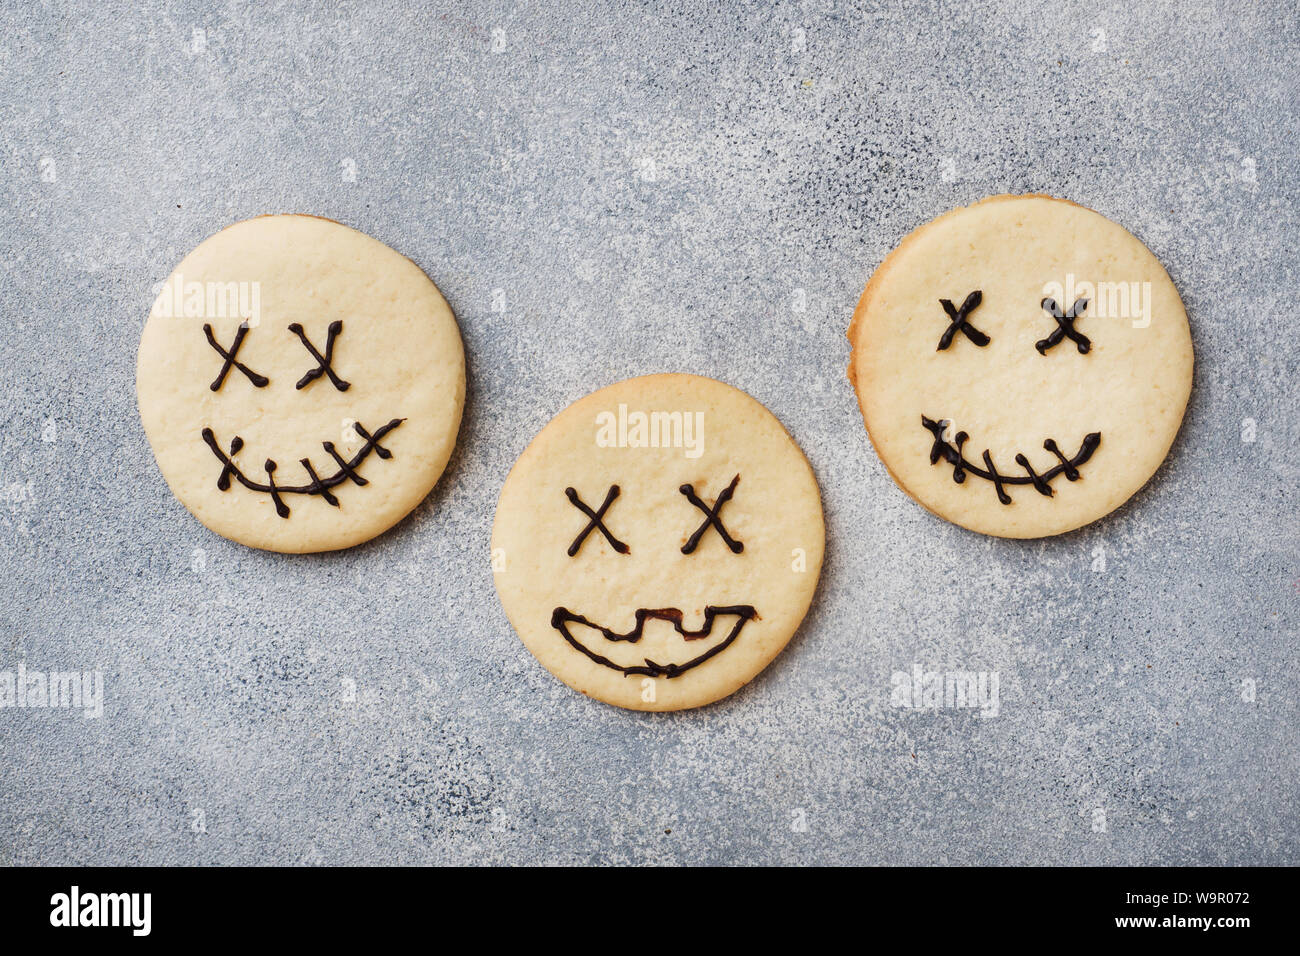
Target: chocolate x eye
[
  {"x": 229, "y": 372},
  {"x": 1064, "y": 327},
  {"x": 1062, "y": 412},
  {"x": 961, "y": 321},
  {"x": 597, "y": 522},
  {"x": 711, "y": 519},
  {"x": 717, "y": 554},
  {"x": 259, "y": 381},
  {"x": 326, "y": 366}
]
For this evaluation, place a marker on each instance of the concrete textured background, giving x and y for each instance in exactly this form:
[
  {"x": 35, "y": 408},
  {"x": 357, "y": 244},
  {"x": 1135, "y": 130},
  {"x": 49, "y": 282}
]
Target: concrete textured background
[{"x": 650, "y": 186}]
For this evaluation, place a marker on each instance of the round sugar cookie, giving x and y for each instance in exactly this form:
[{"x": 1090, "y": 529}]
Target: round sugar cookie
[
  {"x": 1022, "y": 365},
  {"x": 301, "y": 384},
  {"x": 658, "y": 543}
]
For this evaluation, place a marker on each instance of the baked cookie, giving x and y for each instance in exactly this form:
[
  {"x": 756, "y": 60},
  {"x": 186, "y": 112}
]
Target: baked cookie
[
  {"x": 301, "y": 384},
  {"x": 659, "y": 542},
  {"x": 1022, "y": 365}
]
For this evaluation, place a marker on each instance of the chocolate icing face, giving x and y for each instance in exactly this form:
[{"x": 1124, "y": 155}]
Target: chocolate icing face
[
  {"x": 951, "y": 452},
  {"x": 662, "y": 565},
  {"x": 347, "y": 468},
  {"x": 1063, "y": 350},
  {"x": 277, "y": 338},
  {"x": 562, "y": 618}
]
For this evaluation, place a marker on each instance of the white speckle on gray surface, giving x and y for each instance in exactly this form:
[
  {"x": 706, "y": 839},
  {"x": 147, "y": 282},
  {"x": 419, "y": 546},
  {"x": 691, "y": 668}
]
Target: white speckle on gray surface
[{"x": 601, "y": 191}]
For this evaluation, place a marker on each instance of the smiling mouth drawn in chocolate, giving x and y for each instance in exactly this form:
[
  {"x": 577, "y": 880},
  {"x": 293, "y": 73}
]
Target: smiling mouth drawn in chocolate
[
  {"x": 951, "y": 452},
  {"x": 318, "y": 486},
  {"x": 561, "y": 618}
]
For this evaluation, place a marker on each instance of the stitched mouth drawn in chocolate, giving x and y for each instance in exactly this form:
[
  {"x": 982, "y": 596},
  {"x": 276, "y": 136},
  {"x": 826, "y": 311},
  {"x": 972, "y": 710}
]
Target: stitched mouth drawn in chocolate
[
  {"x": 561, "y": 618},
  {"x": 318, "y": 486},
  {"x": 951, "y": 452}
]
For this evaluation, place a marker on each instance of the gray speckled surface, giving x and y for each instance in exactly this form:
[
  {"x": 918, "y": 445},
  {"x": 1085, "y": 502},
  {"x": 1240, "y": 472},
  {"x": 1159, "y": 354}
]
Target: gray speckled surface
[{"x": 650, "y": 186}]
